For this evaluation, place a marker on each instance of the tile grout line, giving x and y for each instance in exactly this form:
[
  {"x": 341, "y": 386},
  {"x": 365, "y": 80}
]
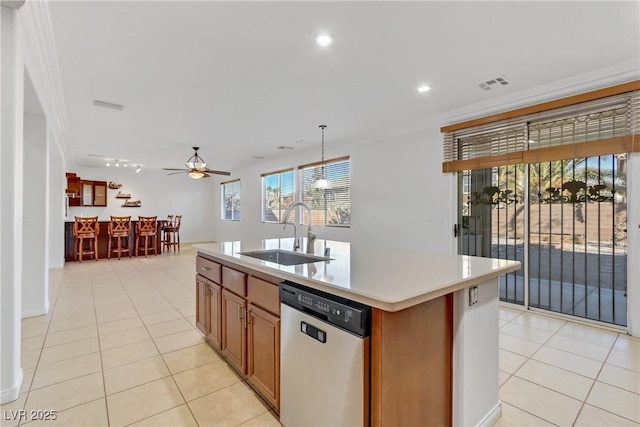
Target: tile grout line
[
  {"x": 104, "y": 383},
  {"x": 35, "y": 368},
  {"x": 161, "y": 357}
]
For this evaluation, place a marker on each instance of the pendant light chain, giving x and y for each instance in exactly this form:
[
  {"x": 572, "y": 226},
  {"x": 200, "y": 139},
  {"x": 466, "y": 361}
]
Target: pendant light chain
[{"x": 323, "y": 127}]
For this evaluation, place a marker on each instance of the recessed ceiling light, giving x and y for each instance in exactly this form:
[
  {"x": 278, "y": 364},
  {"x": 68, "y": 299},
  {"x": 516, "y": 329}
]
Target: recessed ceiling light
[
  {"x": 108, "y": 164},
  {"x": 324, "y": 40},
  {"x": 424, "y": 88}
]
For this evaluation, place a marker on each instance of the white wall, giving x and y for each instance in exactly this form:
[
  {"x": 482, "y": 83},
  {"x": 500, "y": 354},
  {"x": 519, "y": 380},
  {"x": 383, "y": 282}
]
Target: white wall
[
  {"x": 400, "y": 197},
  {"x": 160, "y": 195},
  {"x": 57, "y": 184},
  {"x": 35, "y": 277},
  {"x": 11, "y": 99}
]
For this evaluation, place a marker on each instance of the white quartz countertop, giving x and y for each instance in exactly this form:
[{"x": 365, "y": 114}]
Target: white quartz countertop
[{"x": 386, "y": 278}]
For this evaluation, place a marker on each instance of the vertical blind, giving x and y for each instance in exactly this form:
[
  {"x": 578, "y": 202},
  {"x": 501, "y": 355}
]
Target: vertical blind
[
  {"x": 600, "y": 126},
  {"x": 330, "y": 206}
]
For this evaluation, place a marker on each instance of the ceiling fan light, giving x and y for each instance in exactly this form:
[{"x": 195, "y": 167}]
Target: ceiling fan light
[
  {"x": 196, "y": 165},
  {"x": 196, "y": 174}
]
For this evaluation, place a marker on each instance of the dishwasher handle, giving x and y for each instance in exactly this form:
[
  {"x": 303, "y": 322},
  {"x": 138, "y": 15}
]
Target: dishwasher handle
[{"x": 313, "y": 332}]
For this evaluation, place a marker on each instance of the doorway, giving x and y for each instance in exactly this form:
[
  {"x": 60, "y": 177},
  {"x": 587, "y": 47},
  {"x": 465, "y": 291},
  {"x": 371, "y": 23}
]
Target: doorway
[{"x": 565, "y": 221}]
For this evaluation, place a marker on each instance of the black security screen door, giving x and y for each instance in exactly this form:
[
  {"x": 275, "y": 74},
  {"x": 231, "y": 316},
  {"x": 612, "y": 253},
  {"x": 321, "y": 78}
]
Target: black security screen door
[{"x": 565, "y": 221}]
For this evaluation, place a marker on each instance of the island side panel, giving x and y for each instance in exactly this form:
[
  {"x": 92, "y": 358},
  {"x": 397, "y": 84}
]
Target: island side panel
[
  {"x": 411, "y": 365},
  {"x": 475, "y": 369}
]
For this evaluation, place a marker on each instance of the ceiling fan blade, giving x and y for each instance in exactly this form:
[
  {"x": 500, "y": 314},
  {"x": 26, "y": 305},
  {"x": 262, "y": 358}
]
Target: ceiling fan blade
[
  {"x": 171, "y": 169},
  {"x": 206, "y": 175},
  {"x": 217, "y": 172},
  {"x": 176, "y": 173}
]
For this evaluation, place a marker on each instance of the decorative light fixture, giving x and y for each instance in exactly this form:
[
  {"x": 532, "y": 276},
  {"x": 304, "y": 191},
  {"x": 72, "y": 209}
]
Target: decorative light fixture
[
  {"x": 324, "y": 40},
  {"x": 322, "y": 183},
  {"x": 196, "y": 162},
  {"x": 195, "y": 174}
]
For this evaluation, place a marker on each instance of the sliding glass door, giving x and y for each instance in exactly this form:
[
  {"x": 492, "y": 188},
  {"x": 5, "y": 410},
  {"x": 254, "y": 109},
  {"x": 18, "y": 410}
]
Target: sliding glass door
[{"x": 564, "y": 220}]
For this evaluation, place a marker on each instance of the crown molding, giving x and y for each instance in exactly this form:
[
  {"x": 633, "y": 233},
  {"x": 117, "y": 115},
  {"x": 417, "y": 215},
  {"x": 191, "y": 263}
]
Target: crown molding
[
  {"x": 41, "y": 63},
  {"x": 598, "y": 79}
]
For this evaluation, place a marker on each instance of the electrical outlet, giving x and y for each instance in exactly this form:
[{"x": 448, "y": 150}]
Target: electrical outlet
[{"x": 473, "y": 295}]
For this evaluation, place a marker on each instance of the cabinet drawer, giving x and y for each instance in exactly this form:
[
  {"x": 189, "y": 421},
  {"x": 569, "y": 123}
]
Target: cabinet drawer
[
  {"x": 235, "y": 281},
  {"x": 208, "y": 269},
  {"x": 263, "y": 294}
]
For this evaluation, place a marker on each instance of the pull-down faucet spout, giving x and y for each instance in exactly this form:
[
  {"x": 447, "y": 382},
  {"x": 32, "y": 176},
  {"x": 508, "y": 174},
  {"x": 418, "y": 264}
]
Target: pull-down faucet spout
[{"x": 311, "y": 238}]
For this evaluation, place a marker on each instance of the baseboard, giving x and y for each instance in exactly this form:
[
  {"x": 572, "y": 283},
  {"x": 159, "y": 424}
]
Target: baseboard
[
  {"x": 492, "y": 416},
  {"x": 36, "y": 312},
  {"x": 12, "y": 394}
]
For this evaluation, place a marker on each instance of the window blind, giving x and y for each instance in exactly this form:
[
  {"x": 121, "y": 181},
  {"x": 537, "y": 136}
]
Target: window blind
[
  {"x": 607, "y": 125},
  {"x": 330, "y": 206}
]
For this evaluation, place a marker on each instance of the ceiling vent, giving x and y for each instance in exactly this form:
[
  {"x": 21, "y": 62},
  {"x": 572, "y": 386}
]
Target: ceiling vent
[
  {"x": 105, "y": 104},
  {"x": 285, "y": 147},
  {"x": 494, "y": 83}
]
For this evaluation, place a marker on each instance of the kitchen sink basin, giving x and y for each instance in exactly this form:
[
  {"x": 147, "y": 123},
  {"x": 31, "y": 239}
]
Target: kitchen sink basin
[{"x": 284, "y": 257}]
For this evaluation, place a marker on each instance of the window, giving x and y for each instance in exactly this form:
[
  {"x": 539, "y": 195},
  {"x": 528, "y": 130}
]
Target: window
[
  {"x": 278, "y": 192},
  {"x": 331, "y": 206},
  {"x": 231, "y": 200}
]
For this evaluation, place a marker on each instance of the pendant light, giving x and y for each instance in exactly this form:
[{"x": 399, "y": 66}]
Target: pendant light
[{"x": 322, "y": 183}]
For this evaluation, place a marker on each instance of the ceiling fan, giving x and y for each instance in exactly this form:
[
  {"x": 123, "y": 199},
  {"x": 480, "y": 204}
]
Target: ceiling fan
[{"x": 196, "y": 167}]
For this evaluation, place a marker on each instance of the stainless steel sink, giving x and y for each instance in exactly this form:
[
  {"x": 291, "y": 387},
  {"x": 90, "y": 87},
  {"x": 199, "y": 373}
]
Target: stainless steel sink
[{"x": 284, "y": 257}]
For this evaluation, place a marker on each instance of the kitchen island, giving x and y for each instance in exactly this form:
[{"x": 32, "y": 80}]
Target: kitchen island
[{"x": 433, "y": 351}]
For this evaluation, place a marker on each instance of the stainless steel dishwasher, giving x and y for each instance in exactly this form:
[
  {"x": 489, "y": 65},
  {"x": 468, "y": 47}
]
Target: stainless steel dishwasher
[{"x": 324, "y": 353}]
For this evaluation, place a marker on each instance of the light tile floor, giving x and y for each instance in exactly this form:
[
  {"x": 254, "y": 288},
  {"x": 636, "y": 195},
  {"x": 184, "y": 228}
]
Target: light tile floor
[{"x": 119, "y": 348}]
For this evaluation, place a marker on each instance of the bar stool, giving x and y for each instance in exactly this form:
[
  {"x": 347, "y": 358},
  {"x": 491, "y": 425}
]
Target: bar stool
[
  {"x": 168, "y": 224},
  {"x": 146, "y": 227},
  {"x": 86, "y": 228},
  {"x": 119, "y": 228},
  {"x": 172, "y": 234}
]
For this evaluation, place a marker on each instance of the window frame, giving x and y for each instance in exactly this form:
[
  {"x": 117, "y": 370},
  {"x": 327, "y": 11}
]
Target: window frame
[
  {"x": 223, "y": 209},
  {"x": 301, "y": 190},
  {"x": 280, "y": 202}
]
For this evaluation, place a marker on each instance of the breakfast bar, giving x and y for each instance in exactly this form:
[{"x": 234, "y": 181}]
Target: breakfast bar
[{"x": 432, "y": 354}]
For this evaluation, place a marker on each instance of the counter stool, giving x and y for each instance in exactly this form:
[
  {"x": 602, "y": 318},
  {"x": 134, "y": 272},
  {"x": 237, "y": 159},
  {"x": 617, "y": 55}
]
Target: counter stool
[
  {"x": 172, "y": 234},
  {"x": 167, "y": 225},
  {"x": 119, "y": 228},
  {"x": 146, "y": 227},
  {"x": 86, "y": 228}
]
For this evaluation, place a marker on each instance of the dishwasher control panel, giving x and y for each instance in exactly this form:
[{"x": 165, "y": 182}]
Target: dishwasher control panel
[{"x": 344, "y": 313}]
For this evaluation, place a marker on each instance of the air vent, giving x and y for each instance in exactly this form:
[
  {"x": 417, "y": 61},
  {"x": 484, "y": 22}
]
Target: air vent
[
  {"x": 95, "y": 155},
  {"x": 285, "y": 147},
  {"x": 494, "y": 83},
  {"x": 105, "y": 104}
]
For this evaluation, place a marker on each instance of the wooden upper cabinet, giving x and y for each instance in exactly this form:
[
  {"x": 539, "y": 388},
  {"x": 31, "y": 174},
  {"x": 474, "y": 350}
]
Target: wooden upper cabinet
[
  {"x": 99, "y": 193},
  {"x": 82, "y": 192}
]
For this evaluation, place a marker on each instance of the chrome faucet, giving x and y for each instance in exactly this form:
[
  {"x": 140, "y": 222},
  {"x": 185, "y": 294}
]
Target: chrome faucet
[{"x": 311, "y": 238}]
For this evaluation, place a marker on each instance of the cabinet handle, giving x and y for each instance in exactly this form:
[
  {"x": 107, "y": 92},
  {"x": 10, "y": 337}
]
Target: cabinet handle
[
  {"x": 239, "y": 312},
  {"x": 246, "y": 319},
  {"x": 205, "y": 268}
]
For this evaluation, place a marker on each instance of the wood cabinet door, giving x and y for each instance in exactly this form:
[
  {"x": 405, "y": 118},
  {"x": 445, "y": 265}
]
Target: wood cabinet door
[
  {"x": 87, "y": 193},
  {"x": 214, "y": 315},
  {"x": 264, "y": 353},
  {"x": 234, "y": 333},
  {"x": 201, "y": 304},
  {"x": 99, "y": 193}
]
